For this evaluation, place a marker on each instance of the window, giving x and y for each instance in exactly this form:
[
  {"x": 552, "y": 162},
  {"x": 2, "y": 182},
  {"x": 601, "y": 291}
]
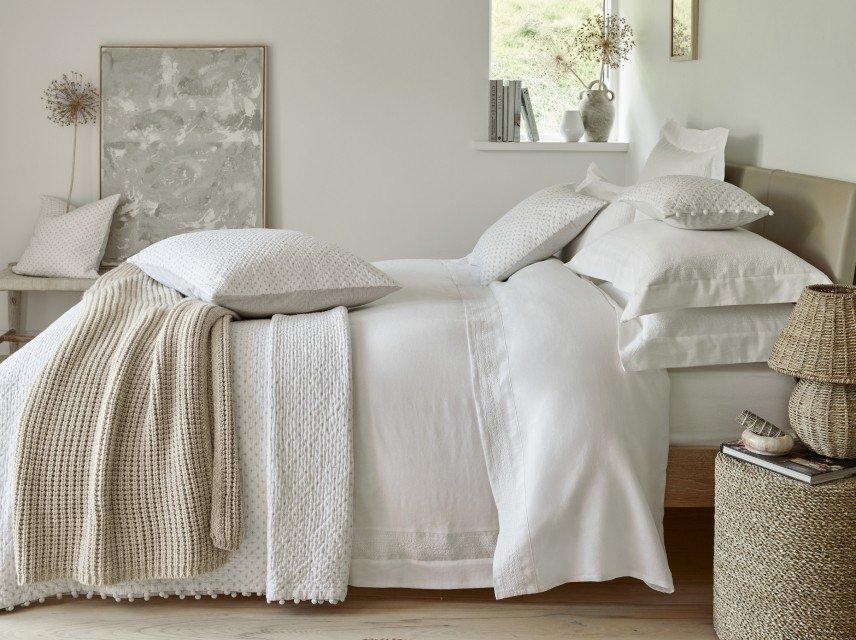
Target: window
[{"x": 526, "y": 38}]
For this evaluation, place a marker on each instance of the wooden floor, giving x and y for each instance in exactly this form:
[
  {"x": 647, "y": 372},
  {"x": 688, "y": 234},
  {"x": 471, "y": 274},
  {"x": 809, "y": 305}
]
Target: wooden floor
[{"x": 617, "y": 609}]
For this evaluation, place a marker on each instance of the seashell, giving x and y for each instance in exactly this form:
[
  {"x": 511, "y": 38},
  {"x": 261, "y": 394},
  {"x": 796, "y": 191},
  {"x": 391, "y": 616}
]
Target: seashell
[{"x": 763, "y": 437}]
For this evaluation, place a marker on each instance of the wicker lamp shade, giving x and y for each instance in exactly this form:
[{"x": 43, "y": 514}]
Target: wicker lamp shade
[{"x": 819, "y": 341}]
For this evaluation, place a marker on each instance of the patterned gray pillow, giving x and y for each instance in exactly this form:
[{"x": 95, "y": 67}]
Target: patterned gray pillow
[
  {"x": 261, "y": 272},
  {"x": 533, "y": 230},
  {"x": 693, "y": 202},
  {"x": 68, "y": 244}
]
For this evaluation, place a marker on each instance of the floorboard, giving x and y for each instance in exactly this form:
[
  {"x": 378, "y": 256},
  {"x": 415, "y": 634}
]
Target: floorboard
[{"x": 611, "y": 610}]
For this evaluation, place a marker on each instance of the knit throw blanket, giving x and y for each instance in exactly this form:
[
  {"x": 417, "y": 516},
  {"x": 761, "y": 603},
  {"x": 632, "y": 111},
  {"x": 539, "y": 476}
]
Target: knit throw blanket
[{"x": 126, "y": 467}]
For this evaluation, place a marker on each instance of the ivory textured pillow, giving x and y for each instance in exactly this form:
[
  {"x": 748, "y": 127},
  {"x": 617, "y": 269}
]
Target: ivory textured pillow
[
  {"x": 663, "y": 268},
  {"x": 68, "y": 244},
  {"x": 693, "y": 202},
  {"x": 533, "y": 230},
  {"x": 261, "y": 272}
]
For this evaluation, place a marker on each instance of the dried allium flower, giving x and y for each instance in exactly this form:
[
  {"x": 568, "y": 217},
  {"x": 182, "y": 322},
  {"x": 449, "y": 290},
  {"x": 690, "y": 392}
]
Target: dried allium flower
[
  {"x": 560, "y": 54},
  {"x": 71, "y": 100},
  {"x": 607, "y": 40}
]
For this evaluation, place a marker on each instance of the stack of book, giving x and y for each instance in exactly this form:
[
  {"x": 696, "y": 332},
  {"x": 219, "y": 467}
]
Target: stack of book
[
  {"x": 509, "y": 104},
  {"x": 801, "y": 463}
]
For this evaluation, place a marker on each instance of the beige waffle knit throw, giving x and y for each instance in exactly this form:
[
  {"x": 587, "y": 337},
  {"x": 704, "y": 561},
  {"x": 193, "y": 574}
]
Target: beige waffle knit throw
[{"x": 126, "y": 464}]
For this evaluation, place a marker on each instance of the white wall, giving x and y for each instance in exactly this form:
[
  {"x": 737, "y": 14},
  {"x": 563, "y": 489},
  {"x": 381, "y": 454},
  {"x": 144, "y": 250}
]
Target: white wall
[
  {"x": 373, "y": 105},
  {"x": 778, "y": 73}
]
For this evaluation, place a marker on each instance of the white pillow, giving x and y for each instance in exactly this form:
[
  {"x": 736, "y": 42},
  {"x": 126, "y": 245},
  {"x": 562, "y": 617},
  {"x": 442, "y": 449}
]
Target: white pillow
[
  {"x": 693, "y": 202},
  {"x": 664, "y": 268},
  {"x": 68, "y": 244},
  {"x": 698, "y": 337},
  {"x": 596, "y": 185},
  {"x": 261, "y": 272},
  {"x": 687, "y": 152},
  {"x": 614, "y": 215},
  {"x": 533, "y": 230}
]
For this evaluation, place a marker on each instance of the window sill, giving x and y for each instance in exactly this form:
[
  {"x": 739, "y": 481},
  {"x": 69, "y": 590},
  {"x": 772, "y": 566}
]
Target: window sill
[{"x": 573, "y": 147}]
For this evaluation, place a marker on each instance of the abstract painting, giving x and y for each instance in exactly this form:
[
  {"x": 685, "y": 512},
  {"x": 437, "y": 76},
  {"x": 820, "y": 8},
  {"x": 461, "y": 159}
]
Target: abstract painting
[{"x": 182, "y": 139}]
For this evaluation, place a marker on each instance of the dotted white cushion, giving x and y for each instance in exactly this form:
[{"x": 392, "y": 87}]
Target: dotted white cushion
[
  {"x": 532, "y": 231},
  {"x": 663, "y": 268},
  {"x": 68, "y": 244},
  {"x": 261, "y": 272},
  {"x": 683, "y": 151},
  {"x": 693, "y": 202}
]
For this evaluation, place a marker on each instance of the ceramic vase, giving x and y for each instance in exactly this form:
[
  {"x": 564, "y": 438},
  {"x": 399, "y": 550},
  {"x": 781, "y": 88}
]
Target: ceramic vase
[
  {"x": 571, "y": 128},
  {"x": 597, "y": 111}
]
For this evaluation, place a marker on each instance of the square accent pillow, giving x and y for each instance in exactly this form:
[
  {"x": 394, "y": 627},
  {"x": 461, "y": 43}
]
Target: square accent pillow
[
  {"x": 261, "y": 272},
  {"x": 693, "y": 202},
  {"x": 663, "y": 268},
  {"x": 698, "y": 337},
  {"x": 687, "y": 152},
  {"x": 68, "y": 244},
  {"x": 532, "y": 231}
]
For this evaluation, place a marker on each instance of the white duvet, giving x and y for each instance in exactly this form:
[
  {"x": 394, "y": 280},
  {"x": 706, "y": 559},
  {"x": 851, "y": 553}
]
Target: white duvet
[{"x": 497, "y": 441}]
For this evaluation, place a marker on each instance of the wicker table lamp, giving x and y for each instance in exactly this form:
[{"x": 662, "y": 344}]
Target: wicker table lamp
[{"x": 818, "y": 346}]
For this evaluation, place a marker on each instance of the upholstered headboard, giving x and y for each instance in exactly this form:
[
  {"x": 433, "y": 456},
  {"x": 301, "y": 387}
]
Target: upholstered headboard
[{"x": 814, "y": 217}]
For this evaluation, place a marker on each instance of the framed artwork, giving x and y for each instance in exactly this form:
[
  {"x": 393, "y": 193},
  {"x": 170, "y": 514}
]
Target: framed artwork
[
  {"x": 684, "y": 30},
  {"x": 183, "y": 141}
]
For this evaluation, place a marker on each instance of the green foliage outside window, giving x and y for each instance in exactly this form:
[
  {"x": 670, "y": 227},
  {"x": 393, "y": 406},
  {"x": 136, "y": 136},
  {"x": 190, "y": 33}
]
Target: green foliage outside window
[{"x": 526, "y": 38}]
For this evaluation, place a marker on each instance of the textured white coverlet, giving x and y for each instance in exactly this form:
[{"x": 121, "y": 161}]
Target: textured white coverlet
[
  {"x": 310, "y": 461},
  {"x": 591, "y": 441}
]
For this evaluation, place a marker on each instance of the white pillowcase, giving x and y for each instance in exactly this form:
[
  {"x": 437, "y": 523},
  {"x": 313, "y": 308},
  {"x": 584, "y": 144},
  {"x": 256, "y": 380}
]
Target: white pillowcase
[
  {"x": 261, "y": 272},
  {"x": 597, "y": 186},
  {"x": 698, "y": 337},
  {"x": 614, "y": 215},
  {"x": 687, "y": 152},
  {"x": 694, "y": 202},
  {"x": 533, "y": 230},
  {"x": 664, "y": 268},
  {"x": 68, "y": 244}
]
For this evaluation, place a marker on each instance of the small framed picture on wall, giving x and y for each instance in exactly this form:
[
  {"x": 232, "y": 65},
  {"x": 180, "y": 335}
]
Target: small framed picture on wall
[{"x": 684, "y": 30}]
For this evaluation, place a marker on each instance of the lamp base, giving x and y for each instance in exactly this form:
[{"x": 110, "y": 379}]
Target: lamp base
[{"x": 824, "y": 416}]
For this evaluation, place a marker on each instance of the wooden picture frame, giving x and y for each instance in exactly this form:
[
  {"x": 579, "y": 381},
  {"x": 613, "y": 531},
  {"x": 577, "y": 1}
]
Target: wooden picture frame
[
  {"x": 187, "y": 205},
  {"x": 683, "y": 30}
]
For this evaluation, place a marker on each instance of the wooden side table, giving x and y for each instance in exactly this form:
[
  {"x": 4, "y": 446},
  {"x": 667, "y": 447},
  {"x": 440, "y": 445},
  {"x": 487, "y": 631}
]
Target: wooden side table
[
  {"x": 784, "y": 565},
  {"x": 16, "y": 285}
]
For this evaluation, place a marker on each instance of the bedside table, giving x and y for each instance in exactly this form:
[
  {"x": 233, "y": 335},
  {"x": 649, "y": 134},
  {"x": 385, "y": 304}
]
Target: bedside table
[
  {"x": 16, "y": 285},
  {"x": 784, "y": 558}
]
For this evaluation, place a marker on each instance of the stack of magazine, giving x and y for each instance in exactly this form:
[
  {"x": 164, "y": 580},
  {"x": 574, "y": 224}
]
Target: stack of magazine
[
  {"x": 509, "y": 104},
  {"x": 801, "y": 463}
]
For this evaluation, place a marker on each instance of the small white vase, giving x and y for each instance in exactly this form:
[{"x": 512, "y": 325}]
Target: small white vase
[{"x": 571, "y": 128}]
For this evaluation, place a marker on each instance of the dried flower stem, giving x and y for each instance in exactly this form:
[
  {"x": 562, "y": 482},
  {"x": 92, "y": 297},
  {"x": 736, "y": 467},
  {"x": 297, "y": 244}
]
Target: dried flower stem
[{"x": 73, "y": 158}]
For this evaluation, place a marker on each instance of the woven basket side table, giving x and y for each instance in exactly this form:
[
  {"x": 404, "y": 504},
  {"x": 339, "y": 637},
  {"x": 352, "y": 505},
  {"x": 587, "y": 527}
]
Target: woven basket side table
[{"x": 784, "y": 556}]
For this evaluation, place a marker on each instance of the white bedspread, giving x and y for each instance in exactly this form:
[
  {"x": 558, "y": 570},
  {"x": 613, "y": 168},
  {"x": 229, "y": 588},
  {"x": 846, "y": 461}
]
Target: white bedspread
[{"x": 538, "y": 446}]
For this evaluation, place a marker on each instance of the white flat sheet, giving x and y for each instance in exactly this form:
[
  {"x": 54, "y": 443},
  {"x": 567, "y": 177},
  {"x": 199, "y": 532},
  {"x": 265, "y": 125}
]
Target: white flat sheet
[
  {"x": 705, "y": 401},
  {"x": 576, "y": 447}
]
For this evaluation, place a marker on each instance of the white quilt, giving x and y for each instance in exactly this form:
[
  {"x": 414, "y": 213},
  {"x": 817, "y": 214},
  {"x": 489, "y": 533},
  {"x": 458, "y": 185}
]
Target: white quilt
[{"x": 497, "y": 441}]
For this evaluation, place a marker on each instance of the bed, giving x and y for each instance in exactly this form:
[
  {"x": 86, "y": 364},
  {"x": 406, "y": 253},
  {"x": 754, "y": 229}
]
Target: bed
[{"x": 534, "y": 484}]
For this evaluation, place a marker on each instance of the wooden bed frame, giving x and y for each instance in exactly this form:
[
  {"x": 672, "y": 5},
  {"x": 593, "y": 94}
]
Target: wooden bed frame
[{"x": 816, "y": 219}]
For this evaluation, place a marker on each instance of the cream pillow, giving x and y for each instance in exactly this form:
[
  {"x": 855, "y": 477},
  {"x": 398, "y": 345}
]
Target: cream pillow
[
  {"x": 682, "y": 151},
  {"x": 533, "y": 230},
  {"x": 261, "y": 272},
  {"x": 68, "y": 244},
  {"x": 664, "y": 268},
  {"x": 597, "y": 186},
  {"x": 693, "y": 202},
  {"x": 614, "y": 215},
  {"x": 698, "y": 337}
]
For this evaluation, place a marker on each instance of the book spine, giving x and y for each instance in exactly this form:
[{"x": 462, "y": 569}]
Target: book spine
[
  {"x": 506, "y": 111},
  {"x": 529, "y": 114},
  {"x": 517, "y": 102},
  {"x": 491, "y": 119}
]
